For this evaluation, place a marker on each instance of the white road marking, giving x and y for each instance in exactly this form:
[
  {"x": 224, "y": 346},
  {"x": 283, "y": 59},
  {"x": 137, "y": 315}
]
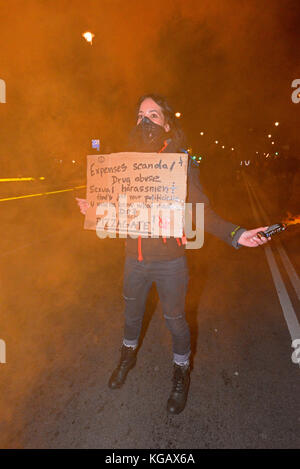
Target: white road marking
[
  {"x": 295, "y": 281},
  {"x": 286, "y": 304},
  {"x": 284, "y": 299},
  {"x": 294, "y": 278}
]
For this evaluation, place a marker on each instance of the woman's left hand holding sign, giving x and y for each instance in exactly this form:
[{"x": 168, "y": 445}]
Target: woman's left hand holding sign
[{"x": 83, "y": 205}]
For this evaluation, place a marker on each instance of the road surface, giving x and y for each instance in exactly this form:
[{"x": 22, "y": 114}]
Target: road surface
[{"x": 61, "y": 321}]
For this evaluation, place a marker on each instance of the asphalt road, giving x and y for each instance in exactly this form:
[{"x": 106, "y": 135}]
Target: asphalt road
[{"x": 61, "y": 320}]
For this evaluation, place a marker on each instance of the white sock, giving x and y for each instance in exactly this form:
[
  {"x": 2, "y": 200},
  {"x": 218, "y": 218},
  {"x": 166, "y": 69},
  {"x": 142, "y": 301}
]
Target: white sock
[
  {"x": 181, "y": 360},
  {"x": 130, "y": 343},
  {"x": 185, "y": 364}
]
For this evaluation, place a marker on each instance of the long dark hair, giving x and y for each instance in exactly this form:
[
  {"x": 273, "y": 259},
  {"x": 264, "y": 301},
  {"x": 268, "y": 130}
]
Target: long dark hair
[{"x": 176, "y": 132}]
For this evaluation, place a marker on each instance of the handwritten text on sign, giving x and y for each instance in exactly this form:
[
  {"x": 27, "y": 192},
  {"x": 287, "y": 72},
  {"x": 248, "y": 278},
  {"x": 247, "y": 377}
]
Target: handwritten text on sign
[{"x": 136, "y": 193}]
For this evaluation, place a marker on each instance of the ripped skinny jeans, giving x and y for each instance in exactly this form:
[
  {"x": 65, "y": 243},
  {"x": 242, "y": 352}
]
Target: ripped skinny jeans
[{"x": 171, "y": 279}]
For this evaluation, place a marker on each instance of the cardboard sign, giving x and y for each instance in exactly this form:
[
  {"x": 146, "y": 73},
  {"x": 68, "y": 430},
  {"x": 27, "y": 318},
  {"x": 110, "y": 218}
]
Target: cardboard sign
[{"x": 136, "y": 194}]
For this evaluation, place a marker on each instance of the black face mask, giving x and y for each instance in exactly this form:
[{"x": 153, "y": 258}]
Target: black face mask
[{"x": 147, "y": 136}]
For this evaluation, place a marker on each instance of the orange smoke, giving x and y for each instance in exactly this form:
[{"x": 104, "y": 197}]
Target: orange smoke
[{"x": 292, "y": 219}]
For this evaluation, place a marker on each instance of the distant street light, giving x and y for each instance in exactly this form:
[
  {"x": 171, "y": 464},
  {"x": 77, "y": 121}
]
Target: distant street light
[
  {"x": 178, "y": 114},
  {"x": 276, "y": 124},
  {"x": 201, "y": 133},
  {"x": 216, "y": 141},
  {"x": 88, "y": 36}
]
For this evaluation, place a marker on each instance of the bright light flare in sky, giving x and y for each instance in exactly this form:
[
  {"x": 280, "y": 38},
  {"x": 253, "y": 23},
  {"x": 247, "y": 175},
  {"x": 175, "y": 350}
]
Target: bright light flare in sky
[{"x": 88, "y": 36}]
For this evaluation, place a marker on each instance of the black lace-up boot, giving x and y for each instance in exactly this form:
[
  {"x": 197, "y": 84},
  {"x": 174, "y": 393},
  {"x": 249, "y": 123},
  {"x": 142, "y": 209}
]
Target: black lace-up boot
[
  {"x": 127, "y": 362},
  {"x": 179, "y": 393}
]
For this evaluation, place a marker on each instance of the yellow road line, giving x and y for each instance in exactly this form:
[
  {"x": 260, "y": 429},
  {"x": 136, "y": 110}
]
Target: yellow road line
[
  {"x": 40, "y": 194},
  {"x": 17, "y": 179},
  {"x": 41, "y": 178}
]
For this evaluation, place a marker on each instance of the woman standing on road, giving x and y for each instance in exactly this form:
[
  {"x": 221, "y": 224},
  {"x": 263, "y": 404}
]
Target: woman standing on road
[{"x": 163, "y": 261}]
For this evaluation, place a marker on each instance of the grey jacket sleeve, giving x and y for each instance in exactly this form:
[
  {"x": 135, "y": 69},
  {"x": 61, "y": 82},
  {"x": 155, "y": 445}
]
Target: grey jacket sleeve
[{"x": 213, "y": 223}]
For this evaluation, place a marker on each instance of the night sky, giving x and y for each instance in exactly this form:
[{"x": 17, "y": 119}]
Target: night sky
[{"x": 227, "y": 66}]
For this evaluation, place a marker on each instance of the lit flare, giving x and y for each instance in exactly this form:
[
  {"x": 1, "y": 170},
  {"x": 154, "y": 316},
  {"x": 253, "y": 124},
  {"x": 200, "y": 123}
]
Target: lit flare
[{"x": 292, "y": 219}]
